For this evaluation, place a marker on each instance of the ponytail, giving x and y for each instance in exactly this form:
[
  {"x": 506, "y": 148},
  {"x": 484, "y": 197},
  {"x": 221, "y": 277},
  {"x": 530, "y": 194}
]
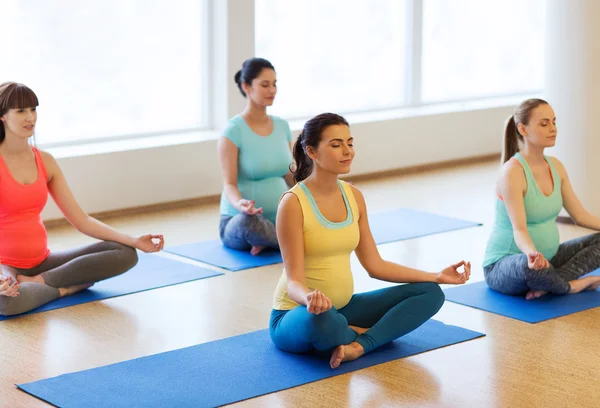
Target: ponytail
[
  {"x": 512, "y": 137},
  {"x": 311, "y": 136},
  {"x": 511, "y": 140},
  {"x": 238, "y": 80},
  {"x": 303, "y": 163}
]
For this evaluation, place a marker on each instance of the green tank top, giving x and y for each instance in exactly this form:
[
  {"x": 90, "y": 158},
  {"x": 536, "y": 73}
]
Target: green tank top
[{"x": 541, "y": 212}]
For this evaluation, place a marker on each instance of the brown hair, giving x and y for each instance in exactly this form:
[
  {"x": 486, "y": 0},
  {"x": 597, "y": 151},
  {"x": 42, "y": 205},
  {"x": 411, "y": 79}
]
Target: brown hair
[
  {"x": 311, "y": 136},
  {"x": 15, "y": 96},
  {"x": 512, "y": 137}
]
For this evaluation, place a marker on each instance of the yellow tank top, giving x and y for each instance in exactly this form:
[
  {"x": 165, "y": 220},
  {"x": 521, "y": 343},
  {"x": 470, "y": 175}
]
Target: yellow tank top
[{"x": 327, "y": 249}]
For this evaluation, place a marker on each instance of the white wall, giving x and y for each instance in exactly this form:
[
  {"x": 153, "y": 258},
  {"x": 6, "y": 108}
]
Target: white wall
[{"x": 144, "y": 176}]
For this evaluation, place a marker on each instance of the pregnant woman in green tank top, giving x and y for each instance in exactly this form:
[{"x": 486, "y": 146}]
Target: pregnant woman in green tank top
[{"x": 524, "y": 255}]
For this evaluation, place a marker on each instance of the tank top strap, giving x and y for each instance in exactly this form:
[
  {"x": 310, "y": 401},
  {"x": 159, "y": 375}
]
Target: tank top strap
[
  {"x": 40, "y": 163},
  {"x": 351, "y": 200},
  {"x": 307, "y": 213},
  {"x": 525, "y": 165},
  {"x": 555, "y": 176}
]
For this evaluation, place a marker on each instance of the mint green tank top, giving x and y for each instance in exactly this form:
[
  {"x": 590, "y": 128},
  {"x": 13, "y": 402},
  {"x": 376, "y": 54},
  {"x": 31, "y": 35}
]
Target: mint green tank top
[{"x": 541, "y": 212}]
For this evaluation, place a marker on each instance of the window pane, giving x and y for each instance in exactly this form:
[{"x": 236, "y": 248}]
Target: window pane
[
  {"x": 333, "y": 55},
  {"x": 107, "y": 68},
  {"x": 478, "y": 48}
]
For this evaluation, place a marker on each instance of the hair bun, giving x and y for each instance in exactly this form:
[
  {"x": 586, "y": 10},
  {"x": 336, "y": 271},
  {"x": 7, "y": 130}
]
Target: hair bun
[{"x": 238, "y": 77}]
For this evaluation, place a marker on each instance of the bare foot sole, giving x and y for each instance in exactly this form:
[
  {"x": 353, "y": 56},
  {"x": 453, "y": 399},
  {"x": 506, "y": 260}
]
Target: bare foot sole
[
  {"x": 587, "y": 283},
  {"x": 534, "y": 294},
  {"x": 34, "y": 279},
  {"x": 255, "y": 250},
  {"x": 359, "y": 330},
  {"x": 74, "y": 289},
  {"x": 344, "y": 353}
]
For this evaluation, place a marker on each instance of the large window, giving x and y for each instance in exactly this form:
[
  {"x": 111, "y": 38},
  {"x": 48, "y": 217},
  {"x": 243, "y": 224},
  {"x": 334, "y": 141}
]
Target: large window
[
  {"x": 334, "y": 55},
  {"x": 110, "y": 68},
  {"x": 363, "y": 55},
  {"x": 479, "y": 48}
]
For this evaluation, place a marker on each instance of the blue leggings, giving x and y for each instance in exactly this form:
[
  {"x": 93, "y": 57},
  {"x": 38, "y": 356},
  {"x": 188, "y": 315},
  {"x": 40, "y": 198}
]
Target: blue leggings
[
  {"x": 389, "y": 313},
  {"x": 245, "y": 231}
]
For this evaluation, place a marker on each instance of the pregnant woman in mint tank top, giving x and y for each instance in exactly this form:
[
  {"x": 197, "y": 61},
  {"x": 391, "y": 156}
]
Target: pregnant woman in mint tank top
[
  {"x": 524, "y": 255},
  {"x": 255, "y": 155}
]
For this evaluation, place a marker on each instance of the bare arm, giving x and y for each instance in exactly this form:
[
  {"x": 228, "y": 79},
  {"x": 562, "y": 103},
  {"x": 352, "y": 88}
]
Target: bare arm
[
  {"x": 378, "y": 268},
  {"x": 571, "y": 203},
  {"x": 291, "y": 242},
  {"x": 62, "y": 195},
  {"x": 512, "y": 186},
  {"x": 228, "y": 157}
]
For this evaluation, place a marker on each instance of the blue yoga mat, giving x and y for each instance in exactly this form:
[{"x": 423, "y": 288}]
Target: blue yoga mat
[
  {"x": 151, "y": 272},
  {"x": 221, "y": 372},
  {"x": 216, "y": 254},
  {"x": 480, "y": 296},
  {"x": 387, "y": 227},
  {"x": 402, "y": 224}
]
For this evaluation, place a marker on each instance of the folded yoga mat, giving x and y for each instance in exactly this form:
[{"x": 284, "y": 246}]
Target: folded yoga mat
[
  {"x": 151, "y": 272},
  {"x": 221, "y": 372},
  {"x": 480, "y": 296},
  {"x": 387, "y": 227}
]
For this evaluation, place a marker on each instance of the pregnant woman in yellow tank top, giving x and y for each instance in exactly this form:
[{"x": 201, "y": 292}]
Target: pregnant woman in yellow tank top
[{"x": 320, "y": 221}]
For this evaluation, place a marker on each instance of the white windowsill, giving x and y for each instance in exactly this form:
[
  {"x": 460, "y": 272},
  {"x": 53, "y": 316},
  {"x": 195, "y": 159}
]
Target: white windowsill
[{"x": 296, "y": 125}]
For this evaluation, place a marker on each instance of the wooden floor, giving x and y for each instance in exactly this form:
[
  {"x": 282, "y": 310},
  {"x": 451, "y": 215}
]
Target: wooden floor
[{"x": 550, "y": 364}]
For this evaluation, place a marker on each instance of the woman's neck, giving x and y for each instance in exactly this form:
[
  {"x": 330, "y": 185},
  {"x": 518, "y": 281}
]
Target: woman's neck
[
  {"x": 322, "y": 182},
  {"x": 533, "y": 154},
  {"x": 255, "y": 113},
  {"x": 14, "y": 146}
]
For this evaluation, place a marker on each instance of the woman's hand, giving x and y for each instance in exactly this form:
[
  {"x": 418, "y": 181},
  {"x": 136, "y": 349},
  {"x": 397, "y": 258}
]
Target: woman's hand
[
  {"x": 247, "y": 207},
  {"x": 146, "y": 243},
  {"x": 535, "y": 260},
  {"x": 451, "y": 275},
  {"x": 6, "y": 289},
  {"x": 317, "y": 302}
]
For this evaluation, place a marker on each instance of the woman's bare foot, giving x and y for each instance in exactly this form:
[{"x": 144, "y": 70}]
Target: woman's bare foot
[
  {"x": 359, "y": 330},
  {"x": 587, "y": 283},
  {"x": 34, "y": 279},
  {"x": 534, "y": 294},
  {"x": 74, "y": 289},
  {"x": 255, "y": 250},
  {"x": 344, "y": 353}
]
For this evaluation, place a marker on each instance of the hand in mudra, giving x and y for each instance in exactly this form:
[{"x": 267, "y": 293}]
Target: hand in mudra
[{"x": 451, "y": 275}]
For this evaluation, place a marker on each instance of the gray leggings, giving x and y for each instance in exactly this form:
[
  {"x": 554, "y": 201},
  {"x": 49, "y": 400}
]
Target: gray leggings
[
  {"x": 88, "y": 264},
  {"x": 245, "y": 231},
  {"x": 575, "y": 258}
]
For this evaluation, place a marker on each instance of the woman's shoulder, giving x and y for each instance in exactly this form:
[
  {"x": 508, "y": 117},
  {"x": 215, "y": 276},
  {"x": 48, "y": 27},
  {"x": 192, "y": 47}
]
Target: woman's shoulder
[{"x": 279, "y": 122}]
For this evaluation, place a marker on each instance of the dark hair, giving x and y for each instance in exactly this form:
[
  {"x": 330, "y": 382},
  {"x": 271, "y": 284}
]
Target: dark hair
[
  {"x": 15, "y": 96},
  {"x": 311, "y": 136},
  {"x": 512, "y": 137},
  {"x": 251, "y": 69}
]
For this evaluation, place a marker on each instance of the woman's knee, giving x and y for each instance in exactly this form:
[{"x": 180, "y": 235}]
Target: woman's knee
[
  {"x": 127, "y": 255},
  {"x": 9, "y": 305},
  {"x": 130, "y": 257},
  {"x": 436, "y": 294},
  {"x": 596, "y": 238}
]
